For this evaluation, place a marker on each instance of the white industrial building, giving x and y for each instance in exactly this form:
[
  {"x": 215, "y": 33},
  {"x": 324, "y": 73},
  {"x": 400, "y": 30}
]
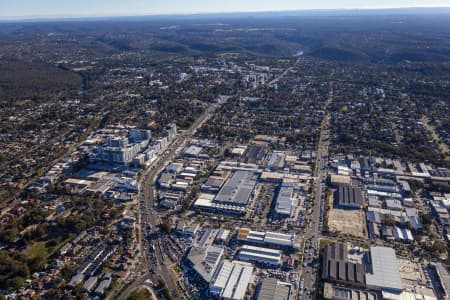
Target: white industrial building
[
  {"x": 276, "y": 160},
  {"x": 205, "y": 260},
  {"x": 382, "y": 272},
  {"x": 403, "y": 234},
  {"x": 260, "y": 255},
  {"x": 232, "y": 280},
  {"x": 286, "y": 204},
  {"x": 269, "y": 238},
  {"x": 206, "y": 202}
]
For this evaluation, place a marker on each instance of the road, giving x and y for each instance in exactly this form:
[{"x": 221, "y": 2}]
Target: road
[
  {"x": 311, "y": 250},
  {"x": 142, "y": 282},
  {"x": 151, "y": 243},
  {"x": 285, "y": 72}
]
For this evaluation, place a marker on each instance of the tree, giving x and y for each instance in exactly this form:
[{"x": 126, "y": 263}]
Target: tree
[
  {"x": 13, "y": 270},
  {"x": 140, "y": 294},
  {"x": 166, "y": 227},
  {"x": 439, "y": 247}
]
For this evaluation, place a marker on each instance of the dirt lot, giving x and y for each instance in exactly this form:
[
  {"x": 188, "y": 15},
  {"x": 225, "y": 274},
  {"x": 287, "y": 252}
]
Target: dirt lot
[
  {"x": 413, "y": 277},
  {"x": 350, "y": 222}
]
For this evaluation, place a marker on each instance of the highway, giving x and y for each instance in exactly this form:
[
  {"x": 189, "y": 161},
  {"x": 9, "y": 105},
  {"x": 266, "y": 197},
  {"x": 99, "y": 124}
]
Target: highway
[
  {"x": 311, "y": 250},
  {"x": 155, "y": 260}
]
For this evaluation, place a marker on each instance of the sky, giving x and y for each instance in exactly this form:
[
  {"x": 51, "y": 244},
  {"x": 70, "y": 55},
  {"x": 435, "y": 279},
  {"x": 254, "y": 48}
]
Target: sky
[{"x": 11, "y": 9}]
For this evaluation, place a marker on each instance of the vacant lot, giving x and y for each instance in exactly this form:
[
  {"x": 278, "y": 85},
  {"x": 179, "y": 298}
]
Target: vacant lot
[{"x": 347, "y": 222}]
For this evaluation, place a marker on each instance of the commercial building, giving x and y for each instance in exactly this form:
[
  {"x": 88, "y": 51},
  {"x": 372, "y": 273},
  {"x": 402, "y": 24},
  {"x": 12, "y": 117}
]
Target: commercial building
[
  {"x": 254, "y": 154},
  {"x": 337, "y": 267},
  {"x": 213, "y": 184},
  {"x": 119, "y": 150},
  {"x": 170, "y": 132},
  {"x": 403, "y": 234},
  {"x": 349, "y": 196},
  {"x": 103, "y": 286},
  {"x": 343, "y": 293},
  {"x": 281, "y": 177},
  {"x": 394, "y": 204},
  {"x": 90, "y": 284},
  {"x": 444, "y": 279},
  {"x": 78, "y": 185},
  {"x": 223, "y": 236},
  {"x": 276, "y": 161},
  {"x": 234, "y": 195},
  {"x": 259, "y": 255},
  {"x": 174, "y": 168},
  {"x": 205, "y": 260},
  {"x": 192, "y": 151},
  {"x": 286, "y": 204},
  {"x": 382, "y": 272},
  {"x": 232, "y": 280},
  {"x": 76, "y": 280},
  {"x": 206, "y": 203},
  {"x": 273, "y": 289},
  {"x": 238, "y": 190},
  {"x": 184, "y": 229},
  {"x": 268, "y": 238},
  {"x": 137, "y": 135}
]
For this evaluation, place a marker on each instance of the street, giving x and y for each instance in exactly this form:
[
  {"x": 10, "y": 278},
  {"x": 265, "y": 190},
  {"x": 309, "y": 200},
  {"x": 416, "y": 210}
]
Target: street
[
  {"x": 311, "y": 248},
  {"x": 156, "y": 264}
]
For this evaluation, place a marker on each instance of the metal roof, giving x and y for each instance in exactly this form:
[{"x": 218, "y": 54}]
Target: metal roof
[
  {"x": 285, "y": 204},
  {"x": 272, "y": 289},
  {"x": 336, "y": 265},
  {"x": 205, "y": 260},
  {"x": 238, "y": 189},
  {"x": 349, "y": 195},
  {"x": 384, "y": 270},
  {"x": 232, "y": 279}
]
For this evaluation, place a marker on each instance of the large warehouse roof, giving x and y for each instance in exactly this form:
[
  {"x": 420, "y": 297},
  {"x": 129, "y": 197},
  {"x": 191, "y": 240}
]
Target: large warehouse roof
[
  {"x": 260, "y": 254},
  {"x": 267, "y": 237},
  {"x": 238, "y": 189},
  {"x": 349, "y": 196},
  {"x": 384, "y": 274},
  {"x": 232, "y": 280},
  {"x": 286, "y": 204},
  {"x": 205, "y": 260},
  {"x": 337, "y": 267},
  {"x": 272, "y": 289}
]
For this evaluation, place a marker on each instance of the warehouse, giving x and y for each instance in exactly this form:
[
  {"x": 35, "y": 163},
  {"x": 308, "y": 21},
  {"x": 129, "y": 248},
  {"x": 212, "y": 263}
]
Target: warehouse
[
  {"x": 260, "y": 255},
  {"x": 193, "y": 151},
  {"x": 349, "y": 196},
  {"x": 394, "y": 204},
  {"x": 403, "y": 235},
  {"x": 253, "y": 154},
  {"x": 232, "y": 280},
  {"x": 205, "y": 260},
  {"x": 272, "y": 288},
  {"x": 269, "y": 238},
  {"x": 207, "y": 203},
  {"x": 382, "y": 271},
  {"x": 286, "y": 204},
  {"x": 238, "y": 189},
  {"x": 276, "y": 161},
  {"x": 339, "y": 292},
  {"x": 213, "y": 184},
  {"x": 338, "y": 268}
]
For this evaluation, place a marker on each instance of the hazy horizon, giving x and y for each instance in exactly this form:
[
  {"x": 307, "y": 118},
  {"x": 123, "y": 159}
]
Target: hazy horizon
[{"x": 48, "y": 9}]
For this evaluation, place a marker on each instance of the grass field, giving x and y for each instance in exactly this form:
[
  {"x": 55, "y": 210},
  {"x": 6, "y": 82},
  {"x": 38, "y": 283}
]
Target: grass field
[{"x": 37, "y": 249}]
